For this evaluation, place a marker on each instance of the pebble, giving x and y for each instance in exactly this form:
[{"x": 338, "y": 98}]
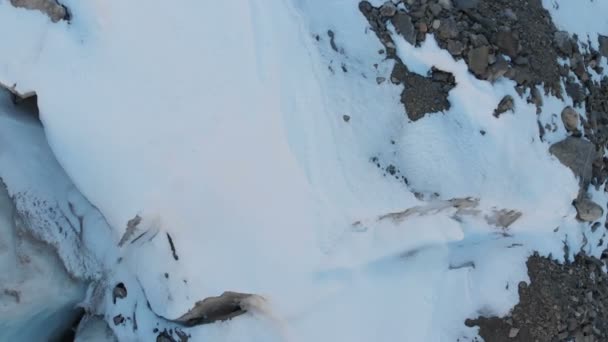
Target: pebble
[
  {"x": 436, "y": 24},
  {"x": 513, "y": 332},
  {"x": 455, "y": 47}
]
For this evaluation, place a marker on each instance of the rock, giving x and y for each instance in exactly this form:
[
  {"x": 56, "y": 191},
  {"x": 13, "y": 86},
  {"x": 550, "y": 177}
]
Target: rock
[
  {"x": 380, "y": 79},
  {"x": 435, "y": 9},
  {"x": 588, "y": 211},
  {"x": 455, "y": 47},
  {"x": 466, "y": 4},
  {"x": 603, "y": 42},
  {"x": 388, "y": 9},
  {"x": 120, "y": 291},
  {"x": 365, "y": 7},
  {"x": 513, "y": 332},
  {"x": 51, "y": 8},
  {"x": 562, "y": 41},
  {"x": 504, "y": 105},
  {"x": 436, "y": 23},
  {"x": 346, "y": 118},
  {"x": 570, "y": 119},
  {"x": 498, "y": 69},
  {"x": 478, "y": 40},
  {"x": 577, "y": 154},
  {"x": 446, "y": 4},
  {"x": 478, "y": 60},
  {"x": 507, "y": 43},
  {"x": 448, "y": 29},
  {"x": 403, "y": 24},
  {"x": 509, "y": 14},
  {"x": 212, "y": 309}
]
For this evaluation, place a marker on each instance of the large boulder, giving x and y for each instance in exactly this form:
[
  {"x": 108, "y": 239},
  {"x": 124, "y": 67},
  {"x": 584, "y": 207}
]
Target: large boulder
[
  {"x": 587, "y": 210},
  {"x": 51, "y": 8},
  {"x": 577, "y": 154}
]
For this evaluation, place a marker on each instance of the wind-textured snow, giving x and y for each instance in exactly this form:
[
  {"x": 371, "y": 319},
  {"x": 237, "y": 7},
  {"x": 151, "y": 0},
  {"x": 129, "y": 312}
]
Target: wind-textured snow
[{"x": 221, "y": 125}]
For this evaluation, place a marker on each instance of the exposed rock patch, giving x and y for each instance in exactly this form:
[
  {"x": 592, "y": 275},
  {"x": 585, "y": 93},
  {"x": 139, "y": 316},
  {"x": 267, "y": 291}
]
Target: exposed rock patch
[
  {"x": 563, "y": 302},
  {"x": 422, "y": 94}
]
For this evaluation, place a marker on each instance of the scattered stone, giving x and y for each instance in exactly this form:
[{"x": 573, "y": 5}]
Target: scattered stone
[
  {"x": 570, "y": 119},
  {"x": 405, "y": 27},
  {"x": 51, "y": 8},
  {"x": 478, "y": 60},
  {"x": 380, "y": 80},
  {"x": 603, "y": 43},
  {"x": 562, "y": 41},
  {"x": 588, "y": 211},
  {"x": 577, "y": 154},
  {"x": 504, "y": 105}
]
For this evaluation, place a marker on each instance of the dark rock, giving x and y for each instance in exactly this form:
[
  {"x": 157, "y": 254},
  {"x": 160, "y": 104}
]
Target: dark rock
[
  {"x": 346, "y": 118},
  {"x": 399, "y": 73},
  {"x": 118, "y": 319},
  {"x": 577, "y": 154},
  {"x": 435, "y": 9},
  {"x": 478, "y": 40},
  {"x": 562, "y": 41},
  {"x": 587, "y": 210},
  {"x": 120, "y": 291},
  {"x": 466, "y": 4},
  {"x": 405, "y": 27},
  {"x": 365, "y": 7},
  {"x": 422, "y": 95},
  {"x": 576, "y": 92},
  {"x": 507, "y": 43},
  {"x": 478, "y": 60},
  {"x": 455, "y": 47},
  {"x": 213, "y": 309},
  {"x": 603, "y": 42},
  {"x": 504, "y": 105},
  {"x": 448, "y": 29}
]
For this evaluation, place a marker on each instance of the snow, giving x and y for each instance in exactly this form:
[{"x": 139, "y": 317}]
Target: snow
[
  {"x": 583, "y": 18},
  {"x": 230, "y": 139}
]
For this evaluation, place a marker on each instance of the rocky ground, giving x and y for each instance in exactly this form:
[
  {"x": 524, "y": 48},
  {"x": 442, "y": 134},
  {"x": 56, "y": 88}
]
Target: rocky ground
[{"x": 517, "y": 39}]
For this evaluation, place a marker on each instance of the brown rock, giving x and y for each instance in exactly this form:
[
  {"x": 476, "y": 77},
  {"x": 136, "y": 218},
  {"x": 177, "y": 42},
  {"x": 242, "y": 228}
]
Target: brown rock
[
  {"x": 51, "y": 8},
  {"x": 570, "y": 119},
  {"x": 478, "y": 60}
]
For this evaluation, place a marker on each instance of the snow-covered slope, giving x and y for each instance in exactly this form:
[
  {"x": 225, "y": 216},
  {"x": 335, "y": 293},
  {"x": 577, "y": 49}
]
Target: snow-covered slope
[{"x": 245, "y": 145}]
